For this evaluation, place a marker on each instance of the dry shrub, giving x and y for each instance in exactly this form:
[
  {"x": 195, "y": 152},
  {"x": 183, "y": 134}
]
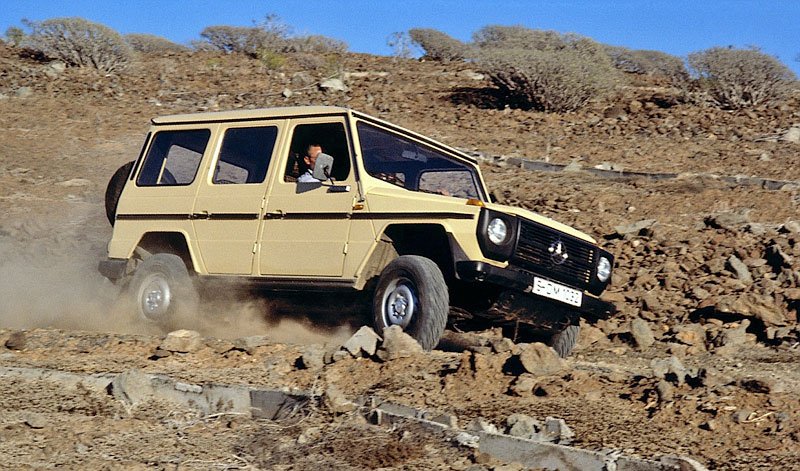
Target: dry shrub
[
  {"x": 239, "y": 39},
  {"x": 14, "y": 36},
  {"x": 150, "y": 43},
  {"x": 79, "y": 43},
  {"x": 741, "y": 78},
  {"x": 544, "y": 70},
  {"x": 651, "y": 63},
  {"x": 315, "y": 44},
  {"x": 438, "y": 46}
]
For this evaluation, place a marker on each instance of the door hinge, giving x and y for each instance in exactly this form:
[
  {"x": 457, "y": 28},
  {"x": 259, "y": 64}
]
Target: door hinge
[
  {"x": 255, "y": 247},
  {"x": 344, "y": 251}
]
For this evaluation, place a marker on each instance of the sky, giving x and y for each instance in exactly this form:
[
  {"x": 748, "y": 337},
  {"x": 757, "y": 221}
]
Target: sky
[{"x": 677, "y": 27}]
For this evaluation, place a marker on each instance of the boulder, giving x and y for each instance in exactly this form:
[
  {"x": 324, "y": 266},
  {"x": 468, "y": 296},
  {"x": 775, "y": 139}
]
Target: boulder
[
  {"x": 182, "y": 341},
  {"x": 540, "y": 360},
  {"x": 364, "y": 340},
  {"x": 397, "y": 344}
]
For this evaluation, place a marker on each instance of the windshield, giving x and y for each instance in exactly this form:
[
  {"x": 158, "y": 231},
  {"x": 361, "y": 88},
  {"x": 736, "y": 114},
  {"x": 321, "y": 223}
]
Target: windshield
[{"x": 408, "y": 164}]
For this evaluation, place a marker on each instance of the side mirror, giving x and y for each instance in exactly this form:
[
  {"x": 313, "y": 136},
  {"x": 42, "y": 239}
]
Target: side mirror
[{"x": 323, "y": 167}]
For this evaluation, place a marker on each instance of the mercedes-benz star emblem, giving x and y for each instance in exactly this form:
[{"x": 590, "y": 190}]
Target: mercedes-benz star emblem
[{"x": 558, "y": 252}]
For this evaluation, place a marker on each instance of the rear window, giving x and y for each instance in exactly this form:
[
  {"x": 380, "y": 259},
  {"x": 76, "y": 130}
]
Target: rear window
[{"x": 173, "y": 158}]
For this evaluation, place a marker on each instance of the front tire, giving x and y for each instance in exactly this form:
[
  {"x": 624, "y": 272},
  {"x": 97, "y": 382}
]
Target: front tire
[
  {"x": 564, "y": 341},
  {"x": 412, "y": 293},
  {"x": 163, "y": 291}
]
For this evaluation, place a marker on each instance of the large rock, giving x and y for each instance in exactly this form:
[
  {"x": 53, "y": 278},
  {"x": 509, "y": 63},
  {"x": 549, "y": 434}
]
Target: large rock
[
  {"x": 397, "y": 344},
  {"x": 636, "y": 228},
  {"x": 752, "y": 305},
  {"x": 642, "y": 335},
  {"x": 540, "y": 360},
  {"x": 337, "y": 402},
  {"x": 333, "y": 85},
  {"x": 740, "y": 269},
  {"x": 182, "y": 341},
  {"x": 249, "y": 344},
  {"x": 522, "y": 425},
  {"x": 364, "y": 340}
]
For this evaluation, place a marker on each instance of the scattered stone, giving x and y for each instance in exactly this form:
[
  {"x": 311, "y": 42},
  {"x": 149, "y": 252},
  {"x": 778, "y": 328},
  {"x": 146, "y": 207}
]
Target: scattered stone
[
  {"x": 792, "y": 135},
  {"x": 691, "y": 334},
  {"x": 364, "y": 340},
  {"x": 287, "y": 93},
  {"x": 729, "y": 221},
  {"x": 556, "y": 430},
  {"x": 752, "y": 305},
  {"x": 249, "y": 344},
  {"x": 665, "y": 390},
  {"x": 670, "y": 369},
  {"x": 35, "y": 421},
  {"x": 75, "y": 182},
  {"x": 313, "y": 357},
  {"x": 467, "y": 440},
  {"x": 637, "y": 228},
  {"x": 540, "y": 360},
  {"x": 573, "y": 166},
  {"x": 340, "y": 355},
  {"x": 309, "y": 435},
  {"x": 182, "y": 341},
  {"x": 522, "y": 425},
  {"x": 501, "y": 345},
  {"x": 16, "y": 341},
  {"x": 131, "y": 387},
  {"x": 762, "y": 385},
  {"x": 471, "y": 75},
  {"x": 642, "y": 335},
  {"x": 333, "y": 85},
  {"x": 23, "y": 92},
  {"x": 397, "y": 344},
  {"x": 523, "y": 385},
  {"x": 740, "y": 269},
  {"x": 160, "y": 353},
  {"x": 336, "y": 401},
  {"x": 792, "y": 227},
  {"x": 742, "y": 416},
  {"x": 683, "y": 463},
  {"x": 479, "y": 424},
  {"x": 735, "y": 335}
]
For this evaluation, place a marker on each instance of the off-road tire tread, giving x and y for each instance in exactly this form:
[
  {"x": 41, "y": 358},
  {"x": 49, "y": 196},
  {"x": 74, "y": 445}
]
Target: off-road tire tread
[
  {"x": 434, "y": 298},
  {"x": 564, "y": 341}
]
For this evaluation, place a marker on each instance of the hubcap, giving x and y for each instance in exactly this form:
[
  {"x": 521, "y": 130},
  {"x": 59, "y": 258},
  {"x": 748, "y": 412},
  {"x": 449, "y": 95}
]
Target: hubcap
[
  {"x": 155, "y": 297},
  {"x": 399, "y": 304}
]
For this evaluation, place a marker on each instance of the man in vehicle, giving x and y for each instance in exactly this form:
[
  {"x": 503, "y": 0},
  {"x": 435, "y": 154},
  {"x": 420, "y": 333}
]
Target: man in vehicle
[{"x": 312, "y": 151}]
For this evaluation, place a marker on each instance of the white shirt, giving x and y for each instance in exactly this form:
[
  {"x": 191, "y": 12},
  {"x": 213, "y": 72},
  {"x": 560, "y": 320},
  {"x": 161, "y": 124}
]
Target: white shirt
[{"x": 307, "y": 177}]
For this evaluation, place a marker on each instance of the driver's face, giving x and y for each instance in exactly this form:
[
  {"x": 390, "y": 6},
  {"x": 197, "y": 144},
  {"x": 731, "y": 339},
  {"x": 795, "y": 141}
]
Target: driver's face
[{"x": 311, "y": 156}]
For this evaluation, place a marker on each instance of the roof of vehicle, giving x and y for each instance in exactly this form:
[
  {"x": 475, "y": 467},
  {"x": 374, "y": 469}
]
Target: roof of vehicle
[
  {"x": 243, "y": 115},
  {"x": 290, "y": 112}
]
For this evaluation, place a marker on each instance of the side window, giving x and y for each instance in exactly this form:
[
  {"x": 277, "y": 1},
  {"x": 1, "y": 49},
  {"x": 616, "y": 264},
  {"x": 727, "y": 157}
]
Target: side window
[
  {"x": 173, "y": 158},
  {"x": 403, "y": 162},
  {"x": 245, "y": 155},
  {"x": 333, "y": 140}
]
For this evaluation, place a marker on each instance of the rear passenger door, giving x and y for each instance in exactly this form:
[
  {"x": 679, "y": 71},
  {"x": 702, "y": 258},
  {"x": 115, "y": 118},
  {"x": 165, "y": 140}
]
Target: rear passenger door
[{"x": 230, "y": 201}]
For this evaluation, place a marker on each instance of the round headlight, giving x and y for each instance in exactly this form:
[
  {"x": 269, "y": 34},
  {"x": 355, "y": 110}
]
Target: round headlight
[
  {"x": 497, "y": 231},
  {"x": 603, "y": 269}
]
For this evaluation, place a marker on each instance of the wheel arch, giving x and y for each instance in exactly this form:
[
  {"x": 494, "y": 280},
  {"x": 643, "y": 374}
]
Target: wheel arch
[
  {"x": 429, "y": 240},
  {"x": 172, "y": 242}
]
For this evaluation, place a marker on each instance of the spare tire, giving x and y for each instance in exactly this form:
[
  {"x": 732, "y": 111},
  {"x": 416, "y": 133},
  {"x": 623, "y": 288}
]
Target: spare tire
[{"x": 114, "y": 190}]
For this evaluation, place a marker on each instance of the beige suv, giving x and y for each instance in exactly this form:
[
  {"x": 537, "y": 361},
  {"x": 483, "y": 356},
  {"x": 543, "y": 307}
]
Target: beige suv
[{"x": 384, "y": 211}]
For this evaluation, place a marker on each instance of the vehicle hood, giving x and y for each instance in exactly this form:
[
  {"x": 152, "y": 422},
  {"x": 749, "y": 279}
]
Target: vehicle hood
[{"x": 535, "y": 217}]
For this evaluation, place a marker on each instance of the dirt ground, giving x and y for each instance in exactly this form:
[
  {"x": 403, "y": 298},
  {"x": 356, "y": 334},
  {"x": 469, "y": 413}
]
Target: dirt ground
[{"x": 709, "y": 268}]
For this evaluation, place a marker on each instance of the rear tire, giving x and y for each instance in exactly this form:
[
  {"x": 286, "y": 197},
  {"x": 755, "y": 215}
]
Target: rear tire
[
  {"x": 114, "y": 190},
  {"x": 412, "y": 293},
  {"x": 564, "y": 341},
  {"x": 163, "y": 291}
]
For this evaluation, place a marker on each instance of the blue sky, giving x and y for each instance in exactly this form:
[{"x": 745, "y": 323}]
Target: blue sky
[{"x": 674, "y": 26}]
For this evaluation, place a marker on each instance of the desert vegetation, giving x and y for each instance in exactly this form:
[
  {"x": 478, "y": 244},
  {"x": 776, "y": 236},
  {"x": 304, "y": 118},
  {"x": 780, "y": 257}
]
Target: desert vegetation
[{"x": 529, "y": 69}]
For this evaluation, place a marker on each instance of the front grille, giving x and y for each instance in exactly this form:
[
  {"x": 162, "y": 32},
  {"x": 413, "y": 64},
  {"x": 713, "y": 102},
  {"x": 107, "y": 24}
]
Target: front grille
[{"x": 532, "y": 253}]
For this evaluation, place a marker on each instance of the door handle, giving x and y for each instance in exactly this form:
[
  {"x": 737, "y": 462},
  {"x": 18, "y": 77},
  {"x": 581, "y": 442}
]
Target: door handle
[
  {"x": 201, "y": 215},
  {"x": 277, "y": 214}
]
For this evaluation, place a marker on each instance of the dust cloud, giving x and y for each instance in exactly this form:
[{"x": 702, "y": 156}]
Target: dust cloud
[{"x": 50, "y": 280}]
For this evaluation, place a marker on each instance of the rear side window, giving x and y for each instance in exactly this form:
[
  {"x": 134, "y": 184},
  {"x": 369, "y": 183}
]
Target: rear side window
[
  {"x": 245, "y": 155},
  {"x": 173, "y": 158}
]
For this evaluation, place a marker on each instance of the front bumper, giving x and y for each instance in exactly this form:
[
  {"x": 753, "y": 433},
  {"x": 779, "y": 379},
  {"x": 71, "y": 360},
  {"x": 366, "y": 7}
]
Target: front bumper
[{"x": 522, "y": 281}]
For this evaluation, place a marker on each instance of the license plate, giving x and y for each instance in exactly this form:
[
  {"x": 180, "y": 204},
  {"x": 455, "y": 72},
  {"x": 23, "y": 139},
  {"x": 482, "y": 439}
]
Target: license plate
[{"x": 556, "y": 291}]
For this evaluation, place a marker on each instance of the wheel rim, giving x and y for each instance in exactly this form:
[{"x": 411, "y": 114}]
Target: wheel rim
[
  {"x": 399, "y": 303},
  {"x": 155, "y": 297}
]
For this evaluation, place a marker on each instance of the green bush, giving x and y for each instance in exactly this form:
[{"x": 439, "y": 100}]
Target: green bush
[
  {"x": 437, "y": 45},
  {"x": 150, "y": 43},
  {"x": 80, "y": 43},
  {"x": 651, "y": 63},
  {"x": 741, "y": 78},
  {"x": 544, "y": 70}
]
